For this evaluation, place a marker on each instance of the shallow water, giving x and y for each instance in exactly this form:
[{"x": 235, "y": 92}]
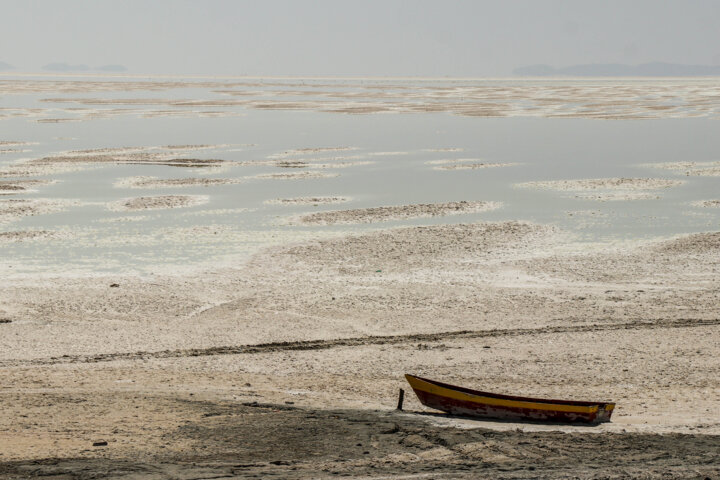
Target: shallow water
[{"x": 392, "y": 149}]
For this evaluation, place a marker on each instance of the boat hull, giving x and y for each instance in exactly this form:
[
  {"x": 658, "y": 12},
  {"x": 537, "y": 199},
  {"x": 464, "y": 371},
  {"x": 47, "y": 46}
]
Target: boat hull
[{"x": 466, "y": 402}]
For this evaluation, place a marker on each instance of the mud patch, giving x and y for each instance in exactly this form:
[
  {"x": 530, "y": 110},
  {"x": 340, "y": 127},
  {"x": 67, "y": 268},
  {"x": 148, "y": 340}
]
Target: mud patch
[
  {"x": 14, "y": 209},
  {"x": 472, "y": 166},
  {"x": 690, "y": 169},
  {"x": 26, "y": 235},
  {"x": 603, "y": 184},
  {"x": 10, "y": 187},
  {"x": 306, "y": 200},
  {"x": 707, "y": 204},
  {"x": 697, "y": 244},
  {"x": 304, "y": 175},
  {"x": 159, "y": 202},
  {"x": 154, "y": 182},
  {"x": 607, "y": 189},
  {"x": 308, "y": 151},
  {"x": 393, "y": 213},
  {"x": 124, "y": 219}
]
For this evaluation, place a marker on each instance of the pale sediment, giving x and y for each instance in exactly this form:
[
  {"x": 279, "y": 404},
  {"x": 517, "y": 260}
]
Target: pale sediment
[
  {"x": 27, "y": 235},
  {"x": 472, "y": 166},
  {"x": 388, "y": 154},
  {"x": 620, "y": 196},
  {"x": 707, "y": 203},
  {"x": 603, "y": 184},
  {"x": 7, "y": 151},
  {"x": 306, "y": 200},
  {"x": 158, "y": 202},
  {"x": 441, "y": 150},
  {"x": 607, "y": 189},
  {"x": 304, "y": 175},
  {"x": 169, "y": 155},
  {"x": 690, "y": 169},
  {"x": 8, "y": 187},
  {"x": 154, "y": 182},
  {"x": 449, "y": 161},
  {"x": 393, "y": 213},
  {"x": 584, "y": 99},
  {"x": 137, "y": 159},
  {"x": 14, "y": 209},
  {"x": 310, "y": 150},
  {"x": 337, "y": 162},
  {"x": 124, "y": 219}
]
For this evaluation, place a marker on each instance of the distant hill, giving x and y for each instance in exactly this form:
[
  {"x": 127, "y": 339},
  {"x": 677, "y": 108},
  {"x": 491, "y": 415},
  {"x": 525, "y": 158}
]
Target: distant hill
[
  {"x": 5, "y": 66},
  {"x": 655, "y": 69},
  {"x": 111, "y": 68},
  {"x": 65, "y": 67}
]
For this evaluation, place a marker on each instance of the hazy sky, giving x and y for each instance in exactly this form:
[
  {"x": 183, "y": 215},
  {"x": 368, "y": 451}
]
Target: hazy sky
[{"x": 361, "y": 37}]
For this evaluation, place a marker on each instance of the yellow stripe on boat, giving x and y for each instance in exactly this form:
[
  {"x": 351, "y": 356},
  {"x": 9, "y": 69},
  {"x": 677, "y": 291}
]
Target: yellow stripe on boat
[{"x": 423, "y": 386}]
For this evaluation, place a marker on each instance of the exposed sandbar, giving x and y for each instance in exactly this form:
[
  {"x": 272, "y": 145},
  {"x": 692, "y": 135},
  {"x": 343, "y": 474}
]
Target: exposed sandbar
[
  {"x": 690, "y": 169},
  {"x": 14, "y": 209},
  {"x": 304, "y": 175},
  {"x": 472, "y": 166},
  {"x": 27, "y": 235},
  {"x": 603, "y": 184},
  {"x": 607, "y": 189},
  {"x": 707, "y": 203},
  {"x": 154, "y": 182},
  {"x": 8, "y": 187},
  {"x": 310, "y": 151},
  {"x": 159, "y": 202},
  {"x": 307, "y": 200},
  {"x": 393, "y": 213}
]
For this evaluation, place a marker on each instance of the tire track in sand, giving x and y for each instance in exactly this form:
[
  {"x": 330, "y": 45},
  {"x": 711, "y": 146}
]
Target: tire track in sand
[{"x": 361, "y": 341}]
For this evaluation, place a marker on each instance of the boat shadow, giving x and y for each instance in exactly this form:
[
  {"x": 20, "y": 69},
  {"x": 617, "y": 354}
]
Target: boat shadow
[{"x": 527, "y": 421}]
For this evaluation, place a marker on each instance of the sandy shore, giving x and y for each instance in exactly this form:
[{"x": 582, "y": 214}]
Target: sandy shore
[{"x": 169, "y": 369}]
